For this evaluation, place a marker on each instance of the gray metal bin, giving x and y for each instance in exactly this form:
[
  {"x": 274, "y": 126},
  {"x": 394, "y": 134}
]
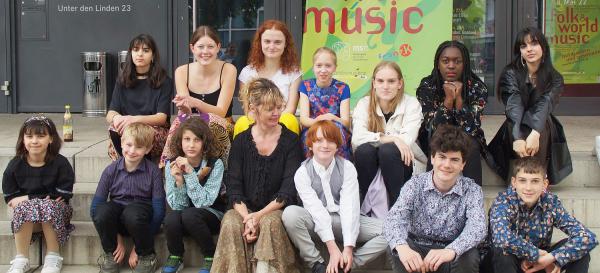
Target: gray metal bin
[
  {"x": 95, "y": 86},
  {"x": 121, "y": 60}
]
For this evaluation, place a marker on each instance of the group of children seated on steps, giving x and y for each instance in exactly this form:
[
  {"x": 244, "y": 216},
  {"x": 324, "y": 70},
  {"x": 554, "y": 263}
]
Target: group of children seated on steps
[
  {"x": 276, "y": 191},
  {"x": 437, "y": 222}
]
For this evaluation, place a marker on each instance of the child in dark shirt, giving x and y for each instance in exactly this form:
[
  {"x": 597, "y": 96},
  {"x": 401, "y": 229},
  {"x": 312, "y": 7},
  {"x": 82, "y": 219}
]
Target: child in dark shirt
[
  {"x": 37, "y": 185},
  {"x": 136, "y": 206},
  {"x": 521, "y": 221}
]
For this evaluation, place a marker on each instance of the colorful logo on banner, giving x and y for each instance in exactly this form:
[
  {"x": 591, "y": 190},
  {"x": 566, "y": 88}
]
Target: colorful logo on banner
[
  {"x": 363, "y": 33},
  {"x": 571, "y": 27}
]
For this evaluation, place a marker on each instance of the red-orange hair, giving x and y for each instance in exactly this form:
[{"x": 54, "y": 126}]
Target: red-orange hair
[
  {"x": 328, "y": 129},
  {"x": 289, "y": 60}
]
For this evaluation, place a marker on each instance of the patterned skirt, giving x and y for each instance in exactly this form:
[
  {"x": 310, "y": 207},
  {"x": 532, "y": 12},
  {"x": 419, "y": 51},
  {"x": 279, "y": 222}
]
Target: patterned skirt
[
  {"x": 344, "y": 151},
  {"x": 220, "y": 127},
  {"x": 234, "y": 255},
  {"x": 160, "y": 136},
  {"x": 44, "y": 211}
]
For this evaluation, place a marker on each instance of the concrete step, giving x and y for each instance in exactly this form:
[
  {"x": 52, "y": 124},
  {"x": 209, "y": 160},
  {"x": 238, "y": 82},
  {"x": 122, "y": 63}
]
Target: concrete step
[
  {"x": 586, "y": 171},
  {"x": 193, "y": 269},
  {"x": 90, "y": 162},
  {"x": 84, "y": 248},
  {"x": 583, "y": 203}
]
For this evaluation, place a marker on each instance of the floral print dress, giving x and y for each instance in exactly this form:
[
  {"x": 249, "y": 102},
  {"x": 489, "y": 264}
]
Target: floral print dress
[{"x": 323, "y": 100}]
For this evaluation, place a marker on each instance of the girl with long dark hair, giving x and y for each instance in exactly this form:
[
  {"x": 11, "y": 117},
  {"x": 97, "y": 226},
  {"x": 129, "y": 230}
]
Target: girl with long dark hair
[
  {"x": 142, "y": 94},
  {"x": 529, "y": 87}
]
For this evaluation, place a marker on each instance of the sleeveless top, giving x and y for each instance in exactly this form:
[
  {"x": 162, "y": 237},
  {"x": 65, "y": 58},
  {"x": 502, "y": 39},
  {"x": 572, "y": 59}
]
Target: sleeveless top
[{"x": 211, "y": 98}]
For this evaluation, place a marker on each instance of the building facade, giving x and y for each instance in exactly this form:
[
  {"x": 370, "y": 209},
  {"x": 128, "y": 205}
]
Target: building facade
[{"x": 41, "y": 41}]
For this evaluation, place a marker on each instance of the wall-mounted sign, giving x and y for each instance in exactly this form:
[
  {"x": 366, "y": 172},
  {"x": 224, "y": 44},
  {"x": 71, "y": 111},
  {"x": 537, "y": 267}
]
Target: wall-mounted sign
[
  {"x": 365, "y": 32},
  {"x": 571, "y": 27}
]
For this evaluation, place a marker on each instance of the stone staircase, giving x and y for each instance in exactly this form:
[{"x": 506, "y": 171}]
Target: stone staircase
[{"x": 580, "y": 192}]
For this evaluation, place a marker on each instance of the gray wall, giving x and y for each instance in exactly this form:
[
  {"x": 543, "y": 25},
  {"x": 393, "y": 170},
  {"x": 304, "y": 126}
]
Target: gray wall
[{"x": 51, "y": 34}]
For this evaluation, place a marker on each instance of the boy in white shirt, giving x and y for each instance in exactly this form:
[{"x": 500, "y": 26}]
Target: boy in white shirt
[{"x": 328, "y": 188}]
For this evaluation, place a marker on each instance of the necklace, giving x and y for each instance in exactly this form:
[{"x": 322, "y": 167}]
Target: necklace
[{"x": 532, "y": 79}]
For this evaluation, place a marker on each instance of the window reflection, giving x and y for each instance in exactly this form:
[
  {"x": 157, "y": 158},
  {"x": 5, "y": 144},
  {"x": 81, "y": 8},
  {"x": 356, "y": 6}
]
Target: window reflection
[
  {"x": 236, "y": 22},
  {"x": 473, "y": 24}
]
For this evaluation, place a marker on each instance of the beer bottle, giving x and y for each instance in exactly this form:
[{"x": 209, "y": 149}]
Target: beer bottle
[{"x": 68, "y": 125}]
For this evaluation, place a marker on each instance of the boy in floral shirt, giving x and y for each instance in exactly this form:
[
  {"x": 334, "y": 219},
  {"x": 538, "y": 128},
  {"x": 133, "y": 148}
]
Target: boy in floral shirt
[{"x": 521, "y": 221}]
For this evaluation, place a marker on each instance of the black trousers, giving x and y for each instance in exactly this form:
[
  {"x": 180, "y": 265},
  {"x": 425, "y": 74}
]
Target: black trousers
[
  {"x": 133, "y": 219},
  {"x": 198, "y": 223},
  {"x": 511, "y": 264},
  {"x": 468, "y": 262},
  {"x": 387, "y": 157},
  {"x": 473, "y": 166}
]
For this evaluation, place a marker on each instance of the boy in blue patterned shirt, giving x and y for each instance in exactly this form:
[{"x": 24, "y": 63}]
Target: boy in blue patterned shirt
[{"x": 521, "y": 221}]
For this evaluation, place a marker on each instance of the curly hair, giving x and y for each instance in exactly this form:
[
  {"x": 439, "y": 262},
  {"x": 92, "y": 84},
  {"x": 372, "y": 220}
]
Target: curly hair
[
  {"x": 289, "y": 60},
  {"x": 198, "y": 127},
  {"x": 259, "y": 92},
  {"x": 449, "y": 138}
]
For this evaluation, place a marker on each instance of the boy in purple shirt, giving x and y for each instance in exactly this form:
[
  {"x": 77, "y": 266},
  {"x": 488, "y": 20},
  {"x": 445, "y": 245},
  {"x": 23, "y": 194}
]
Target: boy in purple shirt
[
  {"x": 521, "y": 221},
  {"x": 136, "y": 206}
]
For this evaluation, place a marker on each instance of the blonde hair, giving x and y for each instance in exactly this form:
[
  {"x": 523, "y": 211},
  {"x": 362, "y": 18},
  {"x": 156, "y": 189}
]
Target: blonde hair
[
  {"x": 142, "y": 134},
  {"x": 259, "y": 92},
  {"x": 325, "y": 49},
  {"x": 375, "y": 123}
]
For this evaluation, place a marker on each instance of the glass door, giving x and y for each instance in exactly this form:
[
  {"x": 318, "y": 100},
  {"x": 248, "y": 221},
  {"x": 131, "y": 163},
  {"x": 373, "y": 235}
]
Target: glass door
[
  {"x": 474, "y": 25},
  {"x": 236, "y": 22}
]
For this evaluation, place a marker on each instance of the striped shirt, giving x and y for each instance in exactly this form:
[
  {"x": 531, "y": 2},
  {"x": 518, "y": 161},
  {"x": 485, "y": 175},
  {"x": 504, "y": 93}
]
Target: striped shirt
[{"x": 123, "y": 187}]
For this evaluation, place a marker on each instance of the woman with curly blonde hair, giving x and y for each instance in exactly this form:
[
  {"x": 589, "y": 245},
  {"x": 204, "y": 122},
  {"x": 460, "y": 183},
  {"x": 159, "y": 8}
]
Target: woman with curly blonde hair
[{"x": 260, "y": 184}]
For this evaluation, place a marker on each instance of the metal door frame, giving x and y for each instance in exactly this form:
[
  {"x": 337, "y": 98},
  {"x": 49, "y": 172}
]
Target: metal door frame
[{"x": 8, "y": 62}]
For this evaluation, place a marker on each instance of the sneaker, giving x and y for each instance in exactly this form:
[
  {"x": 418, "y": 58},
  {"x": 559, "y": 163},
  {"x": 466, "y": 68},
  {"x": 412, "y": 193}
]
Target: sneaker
[
  {"x": 146, "y": 264},
  {"x": 107, "y": 263},
  {"x": 20, "y": 264},
  {"x": 319, "y": 267},
  {"x": 207, "y": 265},
  {"x": 52, "y": 263},
  {"x": 173, "y": 264}
]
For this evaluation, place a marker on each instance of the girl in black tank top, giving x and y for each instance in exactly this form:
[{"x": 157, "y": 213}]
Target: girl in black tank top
[{"x": 211, "y": 98}]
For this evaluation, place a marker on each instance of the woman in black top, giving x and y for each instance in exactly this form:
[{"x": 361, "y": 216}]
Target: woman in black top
[
  {"x": 205, "y": 88},
  {"x": 260, "y": 183},
  {"x": 529, "y": 88},
  {"x": 207, "y": 84},
  {"x": 453, "y": 94},
  {"x": 142, "y": 94}
]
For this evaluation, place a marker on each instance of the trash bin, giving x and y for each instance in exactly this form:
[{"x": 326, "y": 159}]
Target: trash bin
[
  {"x": 122, "y": 60},
  {"x": 95, "y": 87}
]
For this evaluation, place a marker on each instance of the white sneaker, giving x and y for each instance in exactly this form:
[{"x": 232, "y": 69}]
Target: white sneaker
[
  {"x": 20, "y": 264},
  {"x": 52, "y": 263}
]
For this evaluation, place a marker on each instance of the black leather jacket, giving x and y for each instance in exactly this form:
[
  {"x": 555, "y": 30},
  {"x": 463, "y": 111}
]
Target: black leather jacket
[{"x": 525, "y": 105}]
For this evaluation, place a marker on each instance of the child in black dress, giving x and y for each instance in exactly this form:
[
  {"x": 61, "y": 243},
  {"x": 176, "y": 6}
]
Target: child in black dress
[{"x": 37, "y": 185}]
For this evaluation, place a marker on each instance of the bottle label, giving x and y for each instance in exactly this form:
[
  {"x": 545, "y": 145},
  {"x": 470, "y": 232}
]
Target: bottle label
[{"x": 67, "y": 132}]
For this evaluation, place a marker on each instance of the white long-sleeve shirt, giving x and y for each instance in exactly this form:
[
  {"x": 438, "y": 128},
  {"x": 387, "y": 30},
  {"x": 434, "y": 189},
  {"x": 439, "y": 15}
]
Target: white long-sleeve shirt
[
  {"x": 349, "y": 203},
  {"x": 404, "y": 123}
]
